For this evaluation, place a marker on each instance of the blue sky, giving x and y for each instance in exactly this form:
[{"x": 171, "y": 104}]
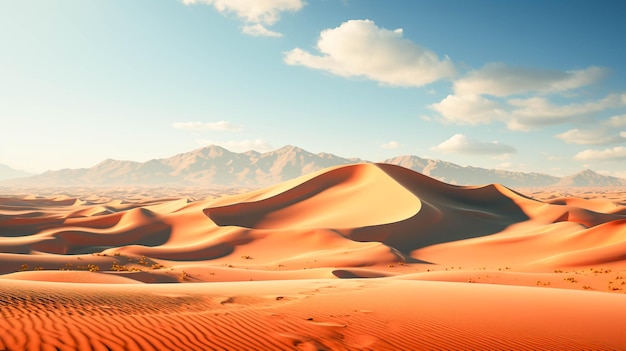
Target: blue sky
[{"x": 516, "y": 85}]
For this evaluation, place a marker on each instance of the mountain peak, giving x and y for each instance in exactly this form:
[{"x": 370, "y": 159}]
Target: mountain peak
[
  {"x": 588, "y": 177},
  {"x": 588, "y": 172},
  {"x": 290, "y": 148},
  {"x": 214, "y": 165},
  {"x": 212, "y": 151}
]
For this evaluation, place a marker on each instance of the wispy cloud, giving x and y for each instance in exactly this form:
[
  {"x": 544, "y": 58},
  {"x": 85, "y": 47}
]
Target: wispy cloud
[
  {"x": 538, "y": 111},
  {"x": 358, "y": 48},
  {"x": 500, "y": 80},
  {"x": 218, "y": 126},
  {"x": 603, "y": 133},
  {"x": 390, "y": 145},
  {"x": 520, "y": 114},
  {"x": 258, "y": 30},
  {"x": 615, "y": 153},
  {"x": 460, "y": 143},
  {"x": 255, "y": 13},
  {"x": 520, "y": 97},
  {"x": 239, "y": 145}
]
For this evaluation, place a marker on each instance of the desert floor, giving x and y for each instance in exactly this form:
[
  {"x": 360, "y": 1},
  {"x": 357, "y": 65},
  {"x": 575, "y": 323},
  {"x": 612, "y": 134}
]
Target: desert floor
[{"x": 350, "y": 258}]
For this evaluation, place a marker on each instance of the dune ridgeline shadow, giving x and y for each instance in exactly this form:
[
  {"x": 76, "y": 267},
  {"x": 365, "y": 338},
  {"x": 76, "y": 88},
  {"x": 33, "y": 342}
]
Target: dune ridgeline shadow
[{"x": 383, "y": 203}]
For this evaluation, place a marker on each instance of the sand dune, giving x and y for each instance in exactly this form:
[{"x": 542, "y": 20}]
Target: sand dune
[{"x": 352, "y": 257}]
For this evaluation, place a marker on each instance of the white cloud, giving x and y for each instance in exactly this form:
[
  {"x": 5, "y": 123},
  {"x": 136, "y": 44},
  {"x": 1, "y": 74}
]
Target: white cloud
[
  {"x": 500, "y": 80},
  {"x": 616, "y": 121},
  {"x": 604, "y": 133},
  {"x": 520, "y": 114},
  {"x": 584, "y": 137},
  {"x": 258, "y": 30},
  {"x": 253, "y": 11},
  {"x": 615, "y": 153},
  {"x": 358, "y": 48},
  {"x": 459, "y": 143},
  {"x": 538, "y": 111},
  {"x": 239, "y": 145},
  {"x": 468, "y": 109},
  {"x": 219, "y": 126},
  {"x": 390, "y": 145}
]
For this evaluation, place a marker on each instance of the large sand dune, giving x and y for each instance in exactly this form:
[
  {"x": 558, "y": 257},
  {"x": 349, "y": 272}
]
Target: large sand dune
[{"x": 365, "y": 256}]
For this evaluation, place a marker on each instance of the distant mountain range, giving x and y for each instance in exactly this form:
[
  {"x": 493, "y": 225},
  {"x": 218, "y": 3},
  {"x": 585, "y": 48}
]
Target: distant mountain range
[
  {"x": 7, "y": 172},
  {"x": 214, "y": 166}
]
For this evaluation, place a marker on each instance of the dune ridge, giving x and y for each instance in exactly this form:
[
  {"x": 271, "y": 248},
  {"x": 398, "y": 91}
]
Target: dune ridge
[{"x": 343, "y": 238}]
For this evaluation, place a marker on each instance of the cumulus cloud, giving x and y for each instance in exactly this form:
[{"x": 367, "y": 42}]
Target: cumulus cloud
[
  {"x": 500, "y": 80},
  {"x": 218, "y": 126},
  {"x": 468, "y": 109},
  {"x": 460, "y": 143},
  {"x": 390, "y": 145},
  {"x": 258, "y": 30},
  {"x": 615, "y": 153},
  {"x": 604, "y": 133},
  {"x": 239, "y": 145},
  {"x": 358, "y": 48},
  {"x": 255, "y": 13}
]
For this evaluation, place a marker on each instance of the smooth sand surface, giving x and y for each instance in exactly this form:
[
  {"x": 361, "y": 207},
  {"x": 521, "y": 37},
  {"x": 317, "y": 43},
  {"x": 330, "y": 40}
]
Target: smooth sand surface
[{"x": 367, "y": 256}]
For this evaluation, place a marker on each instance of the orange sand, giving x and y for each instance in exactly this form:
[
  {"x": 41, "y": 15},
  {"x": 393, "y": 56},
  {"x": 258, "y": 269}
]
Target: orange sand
[{"x": 367, "y": 256}]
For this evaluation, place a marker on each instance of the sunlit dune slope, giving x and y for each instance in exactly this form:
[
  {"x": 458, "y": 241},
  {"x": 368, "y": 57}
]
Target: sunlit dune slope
[
  {"x": 357, "y": 257},
  {"x": 362, "y": 215}
]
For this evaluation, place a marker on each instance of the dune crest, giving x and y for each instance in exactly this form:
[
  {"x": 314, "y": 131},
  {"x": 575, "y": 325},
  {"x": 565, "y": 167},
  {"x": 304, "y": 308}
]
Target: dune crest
[
  {"x": 361, "y": 215},
  {"x": 360, "y": 240}
]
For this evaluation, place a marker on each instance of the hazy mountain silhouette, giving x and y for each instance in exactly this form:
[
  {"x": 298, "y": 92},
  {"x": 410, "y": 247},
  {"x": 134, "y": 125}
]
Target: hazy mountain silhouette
[
  {"x": 7, "y": 172},
  {"x": 590, "y": 178},
  {"x": 215, "y": 166}
]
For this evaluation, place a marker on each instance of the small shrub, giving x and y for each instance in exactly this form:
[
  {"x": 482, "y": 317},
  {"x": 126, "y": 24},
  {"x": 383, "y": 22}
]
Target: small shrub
[
  {"x": 184, "y": 275},
  {"x": 118, "y": 268}
]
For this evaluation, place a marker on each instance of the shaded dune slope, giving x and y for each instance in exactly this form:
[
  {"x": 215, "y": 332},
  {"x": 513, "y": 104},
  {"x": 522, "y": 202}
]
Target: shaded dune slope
[
  {"x": 348, "y": 216},
  {"x": 358, "y": 257},
  {"x": 378, "y": 203}
]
